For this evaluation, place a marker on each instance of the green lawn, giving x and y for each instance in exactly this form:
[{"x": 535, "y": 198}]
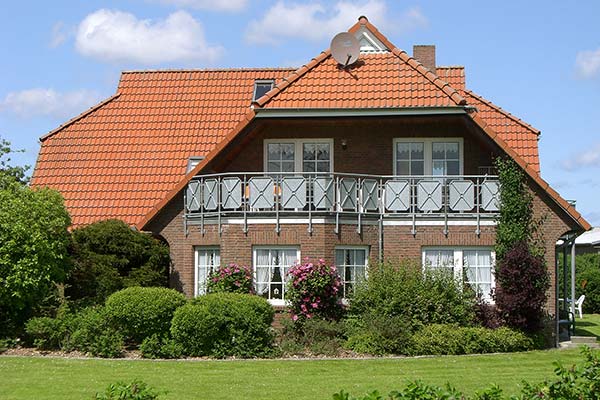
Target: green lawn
[
  {"x": 56, "y": 378},
  {"x": 589, "y": 325}
]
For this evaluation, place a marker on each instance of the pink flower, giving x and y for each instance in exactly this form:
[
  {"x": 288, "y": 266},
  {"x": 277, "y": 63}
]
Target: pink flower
[
  {"x": 294, "y": 317},
  {"x": 315, "y": 305}
]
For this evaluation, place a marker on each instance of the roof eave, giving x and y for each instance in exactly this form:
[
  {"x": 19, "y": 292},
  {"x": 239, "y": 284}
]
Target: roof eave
[{"x": 355, "y": 112}]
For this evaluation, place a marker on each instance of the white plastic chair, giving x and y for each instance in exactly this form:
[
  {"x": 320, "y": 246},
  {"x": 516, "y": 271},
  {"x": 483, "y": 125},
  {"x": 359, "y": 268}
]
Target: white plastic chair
[{"x": 579, "y": 305}]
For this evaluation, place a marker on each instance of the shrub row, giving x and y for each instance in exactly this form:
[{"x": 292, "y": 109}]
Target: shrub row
[{"x": 163, "y": 324}]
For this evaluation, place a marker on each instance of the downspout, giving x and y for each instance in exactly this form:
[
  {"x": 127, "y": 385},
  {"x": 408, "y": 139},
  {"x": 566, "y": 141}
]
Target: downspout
[{"x": 573, "y": 278}]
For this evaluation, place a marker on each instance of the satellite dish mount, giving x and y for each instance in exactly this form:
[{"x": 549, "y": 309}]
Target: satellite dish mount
[{"x": 345, "y": 49}]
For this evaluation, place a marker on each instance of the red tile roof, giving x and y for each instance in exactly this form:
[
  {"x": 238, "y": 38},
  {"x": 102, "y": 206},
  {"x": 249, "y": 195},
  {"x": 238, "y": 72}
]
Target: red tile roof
[
  {"x": 520, "y": 136},
  {"x": 126, "y": 158},
  {"x": 121, "y": 157}
]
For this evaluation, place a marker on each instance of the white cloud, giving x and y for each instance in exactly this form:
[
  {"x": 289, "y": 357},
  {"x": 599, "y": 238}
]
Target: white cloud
[
  {"x": 587, "y": 63},
  {"x": 58, "y": 34},
  {"x": 48, "y": 102},
  {"x": 317, "y": 21},
  {"x": 116, "y": 36},
  {"x": 587, "y": 158},
  {"x": 219, "y": 5}
]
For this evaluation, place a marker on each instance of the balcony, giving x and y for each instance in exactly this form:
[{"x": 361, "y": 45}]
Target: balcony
[{"x": 340, "y": 198}]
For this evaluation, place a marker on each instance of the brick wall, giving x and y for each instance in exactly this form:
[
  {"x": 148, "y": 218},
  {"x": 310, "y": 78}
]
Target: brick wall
[{"x": 370, "y": 151}]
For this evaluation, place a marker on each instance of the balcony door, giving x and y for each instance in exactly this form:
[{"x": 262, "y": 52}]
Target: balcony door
[{"x": 436, "y": 156}]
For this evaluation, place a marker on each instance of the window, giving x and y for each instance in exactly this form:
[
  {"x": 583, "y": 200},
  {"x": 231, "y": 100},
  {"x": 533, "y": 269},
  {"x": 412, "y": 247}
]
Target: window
[
  {"x": 438, "y": 156},
  {"x": 207, "y": 260},
  {"x": 294, "y": 155},
  {"x": 261, "y": 87},
  {"x": 271, "y": 265},
  {"x": 192, "y": 162},
  {"x": 351, "y": 264},
  {"x": 476, "y": 263}
]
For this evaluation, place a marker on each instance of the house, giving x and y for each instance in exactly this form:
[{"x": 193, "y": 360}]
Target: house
[
  {"x": 390, "y": 157},
  {"x": 588, "y": 242}
]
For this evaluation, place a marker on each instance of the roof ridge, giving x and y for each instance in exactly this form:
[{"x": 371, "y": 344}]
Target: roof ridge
[
  {"x": 504, "y": 112},
  {"x": 80, "y": 116},
  {"x": 413, "y": 62},
  {"x": 449, "y": 66},
  {"x": 285, "y": 82},
  {"x": 237, "y": 69}
]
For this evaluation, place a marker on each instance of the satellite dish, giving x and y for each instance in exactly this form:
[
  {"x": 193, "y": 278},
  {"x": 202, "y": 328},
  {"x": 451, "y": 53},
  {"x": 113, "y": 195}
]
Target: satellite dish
[{"x": 345, "y": 48}]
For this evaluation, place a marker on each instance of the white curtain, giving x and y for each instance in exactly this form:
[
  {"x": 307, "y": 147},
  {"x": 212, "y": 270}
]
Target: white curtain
[
  {"x": 479, "y": 270},
  {"x": 287, "y": 258},
  {"x": 262, "y": 271},
  {"x": 208, "y": 260}
]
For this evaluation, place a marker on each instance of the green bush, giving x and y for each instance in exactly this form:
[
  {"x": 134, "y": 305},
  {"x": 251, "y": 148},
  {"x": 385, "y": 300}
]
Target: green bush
[
  {"x": 317, "y": 336},
  {"x": 394, "y": 301},
  {"x": 140, "y": 312},
  {"x": 588, "y": 281},
  {"x": 224, "y": 324},
  {"x": 91, "y": 332},
  {"x": 156, "y": 346},
  {"x": 109, "y": 256},
  {"x": 136, "y": 390},
  {"x": 230, "y": 279},
  {"x": 46, "y": 333},
  {"x": 441, "y": 339}
]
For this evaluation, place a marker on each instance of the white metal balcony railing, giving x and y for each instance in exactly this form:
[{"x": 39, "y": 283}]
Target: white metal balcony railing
[{"x": 209, "y": 198}]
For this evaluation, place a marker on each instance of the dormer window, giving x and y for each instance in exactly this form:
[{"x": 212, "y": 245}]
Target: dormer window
[
  {"x": 261, "y": 87},
  {"x": 192, "y": 162}
]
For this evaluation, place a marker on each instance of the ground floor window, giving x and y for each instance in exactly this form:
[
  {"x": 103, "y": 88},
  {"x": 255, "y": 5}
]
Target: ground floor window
[
  {"x": 476, "y": 263},
  {"x": 271, "y": 265},
  {"x": 351, "y": 264},
  {"x": 207, "y": 259}
]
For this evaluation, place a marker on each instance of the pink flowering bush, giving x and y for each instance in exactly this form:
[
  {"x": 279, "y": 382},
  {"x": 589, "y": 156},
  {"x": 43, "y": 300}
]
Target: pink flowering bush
[
  {"x": 231, "y": 278},
  {"x": 314, "y": 291}
]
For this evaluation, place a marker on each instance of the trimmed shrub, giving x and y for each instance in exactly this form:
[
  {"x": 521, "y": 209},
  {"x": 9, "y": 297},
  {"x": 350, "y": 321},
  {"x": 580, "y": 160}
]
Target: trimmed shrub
[
  {"x": 439, "y": 339},
  {"x": 136, "y": 390},
  {"x": 230, "y": 279},
  {"x": 224, "y": 324},
  {"x": 156, "y": 346},
  {"x": 588, "y": 281},
  {"x": 93, "y": 334},
  {"x": 314, "y": 291},
  {"x": 140, "y": 312},
  {"x": 397, "y": 300},
  {"x": 520, "y": 295},
  {"x": 109, "y": 256}
]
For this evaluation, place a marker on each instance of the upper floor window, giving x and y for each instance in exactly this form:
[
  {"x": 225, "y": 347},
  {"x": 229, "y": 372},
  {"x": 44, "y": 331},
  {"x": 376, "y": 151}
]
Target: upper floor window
[
  {"x": 192, "y": 162},
  {"x": 299, "y": 155},
  {"x": 261, "y": 87},
  {"x": 437, "y": 156}
]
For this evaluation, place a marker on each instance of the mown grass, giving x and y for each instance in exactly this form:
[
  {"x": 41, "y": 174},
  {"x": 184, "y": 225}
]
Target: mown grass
[
  {"x": 57, "y": 378},
  {"x": 589, "y": 325}
]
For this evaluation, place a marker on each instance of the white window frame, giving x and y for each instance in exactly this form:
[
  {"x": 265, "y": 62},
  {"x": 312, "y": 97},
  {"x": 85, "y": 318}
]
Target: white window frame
[
  {"x": 348, "y": 247},
  {"x": 298, "y": 151},
  {"x": 275, "y": 302},
  {"x": 459, "y": 261},
  {"x": 198, "y": 249},
  {"x": 262, "y": 82},
  {"x": 428, "y": 152}
]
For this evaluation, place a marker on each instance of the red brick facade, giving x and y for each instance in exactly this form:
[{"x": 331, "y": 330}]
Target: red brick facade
[{"x": 369, "y": 150}]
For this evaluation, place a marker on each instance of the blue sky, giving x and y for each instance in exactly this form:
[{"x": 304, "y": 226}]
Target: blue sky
[{"x": 540, "y": 60}]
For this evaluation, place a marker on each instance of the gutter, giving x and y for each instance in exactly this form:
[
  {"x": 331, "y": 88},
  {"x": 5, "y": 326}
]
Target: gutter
[{"x": 356, "y": 112}]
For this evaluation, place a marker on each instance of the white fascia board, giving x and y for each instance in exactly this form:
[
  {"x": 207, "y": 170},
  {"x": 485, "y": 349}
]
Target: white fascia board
[{"x": 355, "y": 112}]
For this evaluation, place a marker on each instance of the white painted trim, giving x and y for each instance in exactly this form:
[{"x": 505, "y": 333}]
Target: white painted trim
[
  {"x": 298, "y": 150},
  {"x": 375, "y": 43},
  {"x": 428, "y": 150},
  {"x": 344, "y": 221}
]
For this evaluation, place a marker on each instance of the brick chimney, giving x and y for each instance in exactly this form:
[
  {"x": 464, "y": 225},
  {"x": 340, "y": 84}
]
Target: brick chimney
[{"x": 425, "y": 54}]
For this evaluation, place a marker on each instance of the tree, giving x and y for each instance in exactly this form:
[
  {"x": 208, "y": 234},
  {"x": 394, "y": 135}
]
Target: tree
[
  {"x": 33, "y": 246},
  {"x": 18, "y": 173},
  {"x": 521, "y": 274},
  {"x": 109, "y": 256}
]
